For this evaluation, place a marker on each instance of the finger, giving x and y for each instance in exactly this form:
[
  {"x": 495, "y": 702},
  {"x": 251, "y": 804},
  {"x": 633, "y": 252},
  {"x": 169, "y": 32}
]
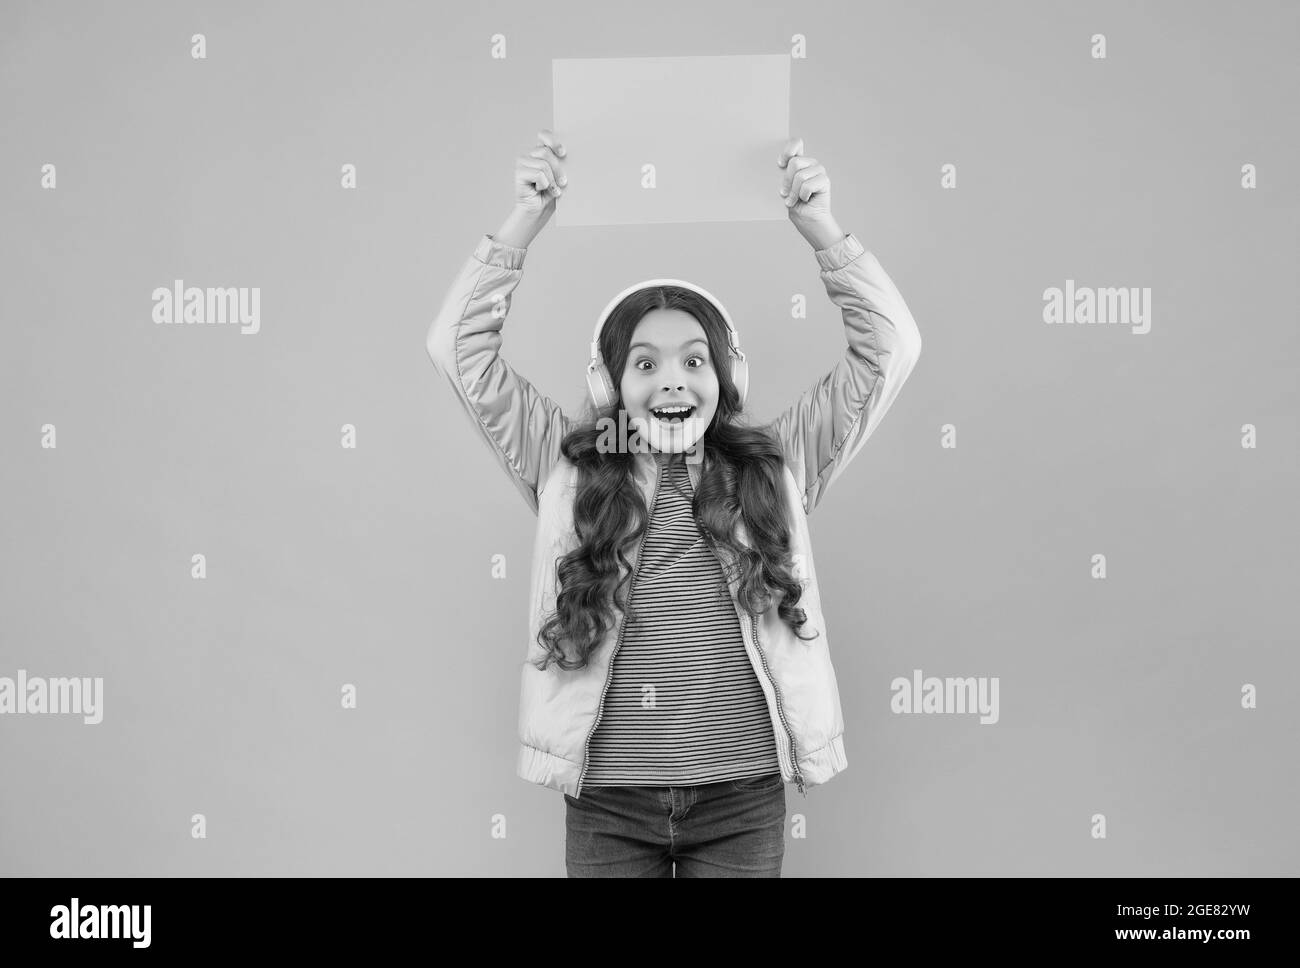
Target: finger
[
  {"x": 548, "y": 154},
  {"x": 535, "y": 171},
  {"x": 797, "y": 164},
  {"x": 797, "y": 187},
  {"x": 542, "y": 177},
  {"x": 547, "y": 137},
  {"x": 802, "y": 177},
  {"x": 791, "y": 148},
  {"x": 815, "y": 185}
]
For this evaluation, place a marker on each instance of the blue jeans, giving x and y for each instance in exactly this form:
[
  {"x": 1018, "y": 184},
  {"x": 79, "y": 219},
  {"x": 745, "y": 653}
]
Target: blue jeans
[{"x": 735, "y": 828}]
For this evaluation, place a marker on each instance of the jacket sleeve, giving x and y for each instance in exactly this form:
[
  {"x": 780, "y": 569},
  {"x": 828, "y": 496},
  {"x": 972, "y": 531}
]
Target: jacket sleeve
[
  {"x": 521, "y": 427},
  {"x": 829, "y": 423}
]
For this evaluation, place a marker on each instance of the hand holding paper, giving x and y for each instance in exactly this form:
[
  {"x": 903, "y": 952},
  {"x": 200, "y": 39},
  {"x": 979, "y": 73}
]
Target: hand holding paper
[{"x": 806, "y": 189}]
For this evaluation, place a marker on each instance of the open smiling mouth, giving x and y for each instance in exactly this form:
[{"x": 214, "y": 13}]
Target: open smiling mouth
[{"x": 673, "y": 415}]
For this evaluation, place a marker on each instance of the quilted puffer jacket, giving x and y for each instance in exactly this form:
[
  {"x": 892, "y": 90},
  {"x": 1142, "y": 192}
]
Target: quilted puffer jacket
[{"x": 820, "y": 433}]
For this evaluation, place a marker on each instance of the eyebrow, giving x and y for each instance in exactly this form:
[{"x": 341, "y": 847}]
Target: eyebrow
[{"x": 684, "y": 345}]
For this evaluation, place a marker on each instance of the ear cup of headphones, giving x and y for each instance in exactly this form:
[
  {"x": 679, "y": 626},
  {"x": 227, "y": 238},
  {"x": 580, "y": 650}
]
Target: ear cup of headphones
[
  {"x": 600, "y": 386},
  {"x": 740, "y": 377}
]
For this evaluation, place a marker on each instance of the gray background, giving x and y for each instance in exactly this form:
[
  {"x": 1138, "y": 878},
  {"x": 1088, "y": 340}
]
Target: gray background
[{"x": 373, "y": 566}]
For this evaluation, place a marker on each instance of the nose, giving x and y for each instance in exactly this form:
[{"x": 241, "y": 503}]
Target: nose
[{"x": 674, "y": 381}]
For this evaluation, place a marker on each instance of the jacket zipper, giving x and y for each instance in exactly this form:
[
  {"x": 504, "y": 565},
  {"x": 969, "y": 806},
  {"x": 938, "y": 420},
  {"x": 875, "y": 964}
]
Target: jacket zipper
[
  {"x": 609, "y": 668},
  {"x": 794, "y": 756}
]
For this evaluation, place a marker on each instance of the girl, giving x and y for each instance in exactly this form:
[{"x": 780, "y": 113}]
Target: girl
[{"x": 678, "y": 674}]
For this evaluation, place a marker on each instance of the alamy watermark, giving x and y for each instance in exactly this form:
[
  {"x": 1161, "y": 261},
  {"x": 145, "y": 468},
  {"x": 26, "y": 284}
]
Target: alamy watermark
[
  {"x": 75, "y": 921},
  {"x": 1083, "y": 306},
  {"x": 81, "y": 696},
  {"x": 953, "y": 695},
  {"x": 636, "y": 435},
  {"x": 214, "y": 305}
]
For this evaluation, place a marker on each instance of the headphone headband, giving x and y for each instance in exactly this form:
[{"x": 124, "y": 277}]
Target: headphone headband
[{"x": 732, "y": 336}]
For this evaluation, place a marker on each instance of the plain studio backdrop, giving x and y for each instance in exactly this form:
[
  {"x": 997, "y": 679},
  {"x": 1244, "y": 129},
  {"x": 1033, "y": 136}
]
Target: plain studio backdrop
[{"x": 372, "y": 565}]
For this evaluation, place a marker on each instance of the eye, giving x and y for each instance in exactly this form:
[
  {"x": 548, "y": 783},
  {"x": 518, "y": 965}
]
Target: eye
[{"x": 702, "y": 360}]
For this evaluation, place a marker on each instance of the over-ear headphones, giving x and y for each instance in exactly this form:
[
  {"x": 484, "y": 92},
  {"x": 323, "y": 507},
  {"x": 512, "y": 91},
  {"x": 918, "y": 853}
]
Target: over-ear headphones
[{"x": 601, "y": 386}]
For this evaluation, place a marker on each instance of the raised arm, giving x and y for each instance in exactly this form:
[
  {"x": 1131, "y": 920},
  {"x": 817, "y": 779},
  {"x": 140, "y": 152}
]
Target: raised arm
[
  {"x": 829, "y": 423},
  {"x": 827, "y": 426},
  {"x": 521, "y": 427}
]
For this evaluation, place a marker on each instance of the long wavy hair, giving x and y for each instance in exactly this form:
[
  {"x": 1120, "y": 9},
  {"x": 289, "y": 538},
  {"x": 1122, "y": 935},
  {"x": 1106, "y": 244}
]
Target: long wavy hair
[{"x": 741, "y": 480}]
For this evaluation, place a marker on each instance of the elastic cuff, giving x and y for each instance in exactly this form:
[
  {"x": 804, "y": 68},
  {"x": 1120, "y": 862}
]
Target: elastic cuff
[
  {"x": 493, "y": 253},
  {"x": 840, "y": 254}
]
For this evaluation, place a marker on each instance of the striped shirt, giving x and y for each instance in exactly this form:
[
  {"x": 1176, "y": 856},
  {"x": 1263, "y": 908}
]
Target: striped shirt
[{"x": 684, "y": 705}]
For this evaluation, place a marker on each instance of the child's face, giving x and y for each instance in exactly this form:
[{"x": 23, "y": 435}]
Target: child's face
[{"x": 673, "y": 365}]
